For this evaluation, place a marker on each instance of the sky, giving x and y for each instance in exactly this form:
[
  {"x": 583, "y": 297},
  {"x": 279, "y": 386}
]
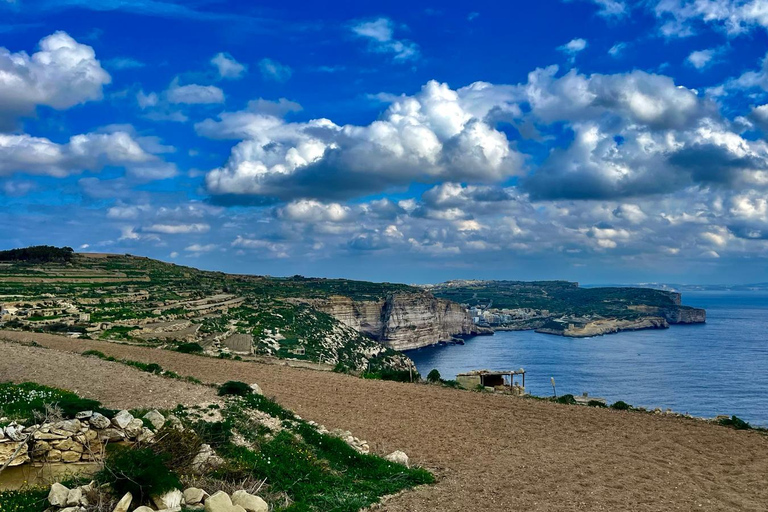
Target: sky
[{"x": 599, "y": 141}]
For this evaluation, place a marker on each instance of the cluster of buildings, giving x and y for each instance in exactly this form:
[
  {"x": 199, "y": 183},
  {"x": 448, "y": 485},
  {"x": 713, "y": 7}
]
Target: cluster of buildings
[{"x": 490, "y": 317}]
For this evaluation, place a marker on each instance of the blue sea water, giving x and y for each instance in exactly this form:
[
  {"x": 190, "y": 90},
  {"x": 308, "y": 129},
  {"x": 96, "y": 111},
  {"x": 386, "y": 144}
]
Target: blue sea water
[{"x": 720, "y": 367}]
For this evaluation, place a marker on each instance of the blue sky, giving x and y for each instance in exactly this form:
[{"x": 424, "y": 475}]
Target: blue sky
[{"x": 602, "y": 141}]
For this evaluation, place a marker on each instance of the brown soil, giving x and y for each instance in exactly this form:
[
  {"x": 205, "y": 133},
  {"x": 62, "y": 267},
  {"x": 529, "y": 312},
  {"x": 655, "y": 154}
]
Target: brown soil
[{"x": 497, "y": 452}]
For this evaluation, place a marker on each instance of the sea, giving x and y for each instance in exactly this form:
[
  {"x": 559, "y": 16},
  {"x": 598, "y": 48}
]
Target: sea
[{"x": 720, "y": 367}]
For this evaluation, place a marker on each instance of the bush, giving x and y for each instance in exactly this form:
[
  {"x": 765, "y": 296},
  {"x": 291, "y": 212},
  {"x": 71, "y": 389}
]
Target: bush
[
  {"x": 596, "y": 403},
  {"x": 23, "y": 501},
  {"x": 236, "y": 388},
  {"x": 140, "y": 471},
  {"x": 177, "y": 447},
  {"x": 621, "y": 406},
  {"x": 24, "y": 401},
  {"x": 189, "y": 348},
  {"x": 451, "y": 384},
  {"x": 735, "y": 422},
  {"x": 566, "y": 399},
  {"x": 433, "y": 376}
]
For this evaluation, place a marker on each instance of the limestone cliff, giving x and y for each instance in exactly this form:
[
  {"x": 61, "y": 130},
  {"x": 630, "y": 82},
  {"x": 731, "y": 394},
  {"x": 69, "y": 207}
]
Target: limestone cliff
[
  {"x": 607, "y": 326},
  {"x": 402, "y": 320}
]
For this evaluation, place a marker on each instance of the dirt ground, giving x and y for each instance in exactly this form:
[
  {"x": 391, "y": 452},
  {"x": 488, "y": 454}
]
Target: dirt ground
[{"x": 494, "y": 452}]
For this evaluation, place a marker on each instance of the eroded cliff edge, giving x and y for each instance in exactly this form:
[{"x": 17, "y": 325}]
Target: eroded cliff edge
[{"x": 402, "y": 320}]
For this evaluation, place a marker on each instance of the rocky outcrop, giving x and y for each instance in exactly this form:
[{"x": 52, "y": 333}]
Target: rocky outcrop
[
  {"x": 402, "y": 320},
  {"x": 606, "y": 326}
]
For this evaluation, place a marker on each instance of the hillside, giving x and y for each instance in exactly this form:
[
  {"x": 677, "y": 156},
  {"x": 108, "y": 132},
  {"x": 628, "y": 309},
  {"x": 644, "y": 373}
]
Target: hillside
[
  {"x": 140, "y": 300},
  {"x": 564, "y": 308}
]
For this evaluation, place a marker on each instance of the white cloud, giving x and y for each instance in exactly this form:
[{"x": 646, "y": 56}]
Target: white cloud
[
  {"x": 227, "y": 66},
  {"x": 311, "y": 211},
  {"x": 198, "y": 248},
  {"x": 273, "y": 70},
  {"x": 700, "y": 59},
  {"x": 380, "y": 36},
  {"x": 679, "y": 17},
  {"x": 617, "y": 50},
  {"x": 573, "y": 47},
  {"x": 435, "y": 135},
  {"x": 62, "y": 74},
  {"x": 194, "y": 94},
  {"x": 92, "y": 151},
  {"x": 175, "y": 229}
]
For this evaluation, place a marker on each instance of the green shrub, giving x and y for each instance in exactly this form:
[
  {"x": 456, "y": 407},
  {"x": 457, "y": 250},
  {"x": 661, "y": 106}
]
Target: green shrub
[
  {"x": 95, "y": 353},
  {"x": 566, "y": 399},
  {"x": 451, "y": 384},
  {"x": 735, "y": 422},
  {"x": 433, "y": 376},
  {"x": 234, "y": 387},
  {"x": 190, "y": 348},
  {"x": 23, "y": 401},
  {"x": 621, "y": 406},
  {"x": 23, "y": 501},
  {"x": 596, "y": 403},
  {"x": 140, "y": 471},
  {"x": 177, "y": 447}
]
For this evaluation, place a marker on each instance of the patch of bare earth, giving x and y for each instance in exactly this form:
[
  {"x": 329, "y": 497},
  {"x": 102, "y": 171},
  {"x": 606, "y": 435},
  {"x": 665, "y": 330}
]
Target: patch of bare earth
[{"x": 496, "y": 452}]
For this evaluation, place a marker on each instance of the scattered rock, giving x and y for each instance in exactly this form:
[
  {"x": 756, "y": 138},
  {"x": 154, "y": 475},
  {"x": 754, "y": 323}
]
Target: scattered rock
[
  {"x": 249, "y": 502},
  {"x": 111, "y": 435},
  {"x": 155, "y": 418},
  {"x": 219, "y": 502},
  {"x": 122, "y": 419},
  {"x": 143, "y": 509},
  {"x": 145, "y": 436},
  {"x": 398, "y": 457},
  {"x": 205, "y": 460},
  {"x": 256, "y": 389},
  {"x": 171, "y": 499},
  {"x": 74, "y": 497},
  {"x": 174, "y": 422},
  {"x": 83, "y": 415},
  {"x": 124, "y": 503},
  {"x": 133, "y": 429},
  {"x": 99, "y": 421},
  {"x": 193, "y": 496},
  {"x": 15, "y": 432},
  {"x": 58, "y": 495}
]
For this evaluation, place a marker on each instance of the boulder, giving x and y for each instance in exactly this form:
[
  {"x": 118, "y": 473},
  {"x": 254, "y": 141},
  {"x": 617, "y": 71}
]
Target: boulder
[
  {"x": 249, "y": 502},
  {"x": 72, "y": 426},
  {"x": 171, "y": 499},
  {"x": 143, "y": 509},
  {"x": 205, "y": 460},
  {"x": 7, "y": 449},
  {"x": 221, "y": 502},
  {"x": 256, "y": 389},
  {"x": 174, "y": 422},
  {"x": 122, "y": 419},
  {"x": 2, "y": 434},
  {"x": 124, "y": 503},
  {"x": 73, "y": 509},
  {"x": 193, "y": 496},
  {"x": 398, "y": 457},
  {"x": 74, "y": 497},
  {"x": 58, "y": 495},
  {"x": 68, "y": 445},
  {"x": 111, "y": 435},
  {"x": 155, "y": 418},
  {"x": 53, "y": 456},
  {"x": 133, "y": 429},
  {"x": 99, "y": 421},
  {"x": 15, "y": 432},
  {"x": 83, "y": 415},
  {"x": 146, "y": 435}
]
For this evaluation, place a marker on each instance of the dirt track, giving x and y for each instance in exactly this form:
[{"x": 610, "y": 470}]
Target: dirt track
[{"x": 501, "y": 452}]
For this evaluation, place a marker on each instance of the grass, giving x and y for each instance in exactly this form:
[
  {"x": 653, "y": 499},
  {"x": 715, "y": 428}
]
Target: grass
[
  {"x": 317, "y": 472},
  {"x": 29, "y": 500},
  {"x": 27, "y": 400},
  {"x": 153, "y": 368}
]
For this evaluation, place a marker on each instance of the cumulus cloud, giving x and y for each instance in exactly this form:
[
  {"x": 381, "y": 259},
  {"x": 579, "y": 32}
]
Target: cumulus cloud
[
  {"x": 380, "y": 36},
  {"x": 194, "y": 94},
  {"x": 679, "y": 17},
  {"x": 273, "y": 70},
  {"x": 701, "y": 59},
  {"x": 176, "y": 229},
  {"x": 438, "y": 134},
  {"x": 227, "y": 66},
  {"x": 92, "y": 151},
  {"x": 62, "y": 74},
  {"x": 573, "y": 47}
]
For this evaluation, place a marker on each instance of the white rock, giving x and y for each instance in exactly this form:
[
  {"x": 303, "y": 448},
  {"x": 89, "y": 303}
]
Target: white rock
[
  {"x": 256, "y": 389},
  {"x": 122, "y": 419},
  {"x": 171, "y": 499},
  {"x": 58, "y": 495},
  {"x": 74, "y": 497},
  {"x": 72, "y": 509},
  {"x": 143, "y": 509},
  {"x": 155, "y": 418},
  {"x": 133, "y": 429},
  {"x": 84, "y": 415},
  {"x": 249, "y": 502},
  {"x": 124, "y": 503},
  {"x": 146, "y": 435},
  {"x": 398, "y": 457},
  {"x": 193, "y": 496},
  {"x": 219, "y": 502},
  {"x": 99, "y": 421},
  {"x": 205, "y": 460},
  {"x": 15, "y": 432}
]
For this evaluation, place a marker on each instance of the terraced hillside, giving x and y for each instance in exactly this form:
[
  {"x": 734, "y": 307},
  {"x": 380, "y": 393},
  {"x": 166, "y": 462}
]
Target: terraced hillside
[{"x": 140, "y": 300}]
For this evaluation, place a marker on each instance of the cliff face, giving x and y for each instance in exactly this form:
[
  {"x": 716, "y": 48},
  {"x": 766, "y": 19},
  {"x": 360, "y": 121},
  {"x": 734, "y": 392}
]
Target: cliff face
[{"x": 402, "y": 321}]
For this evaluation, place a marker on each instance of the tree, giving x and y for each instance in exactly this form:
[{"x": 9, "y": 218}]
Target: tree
[{"x": 433, "y": 376}]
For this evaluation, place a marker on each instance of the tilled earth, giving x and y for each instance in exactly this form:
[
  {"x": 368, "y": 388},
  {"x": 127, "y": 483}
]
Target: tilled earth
[{"x": 490, "y": 452}]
